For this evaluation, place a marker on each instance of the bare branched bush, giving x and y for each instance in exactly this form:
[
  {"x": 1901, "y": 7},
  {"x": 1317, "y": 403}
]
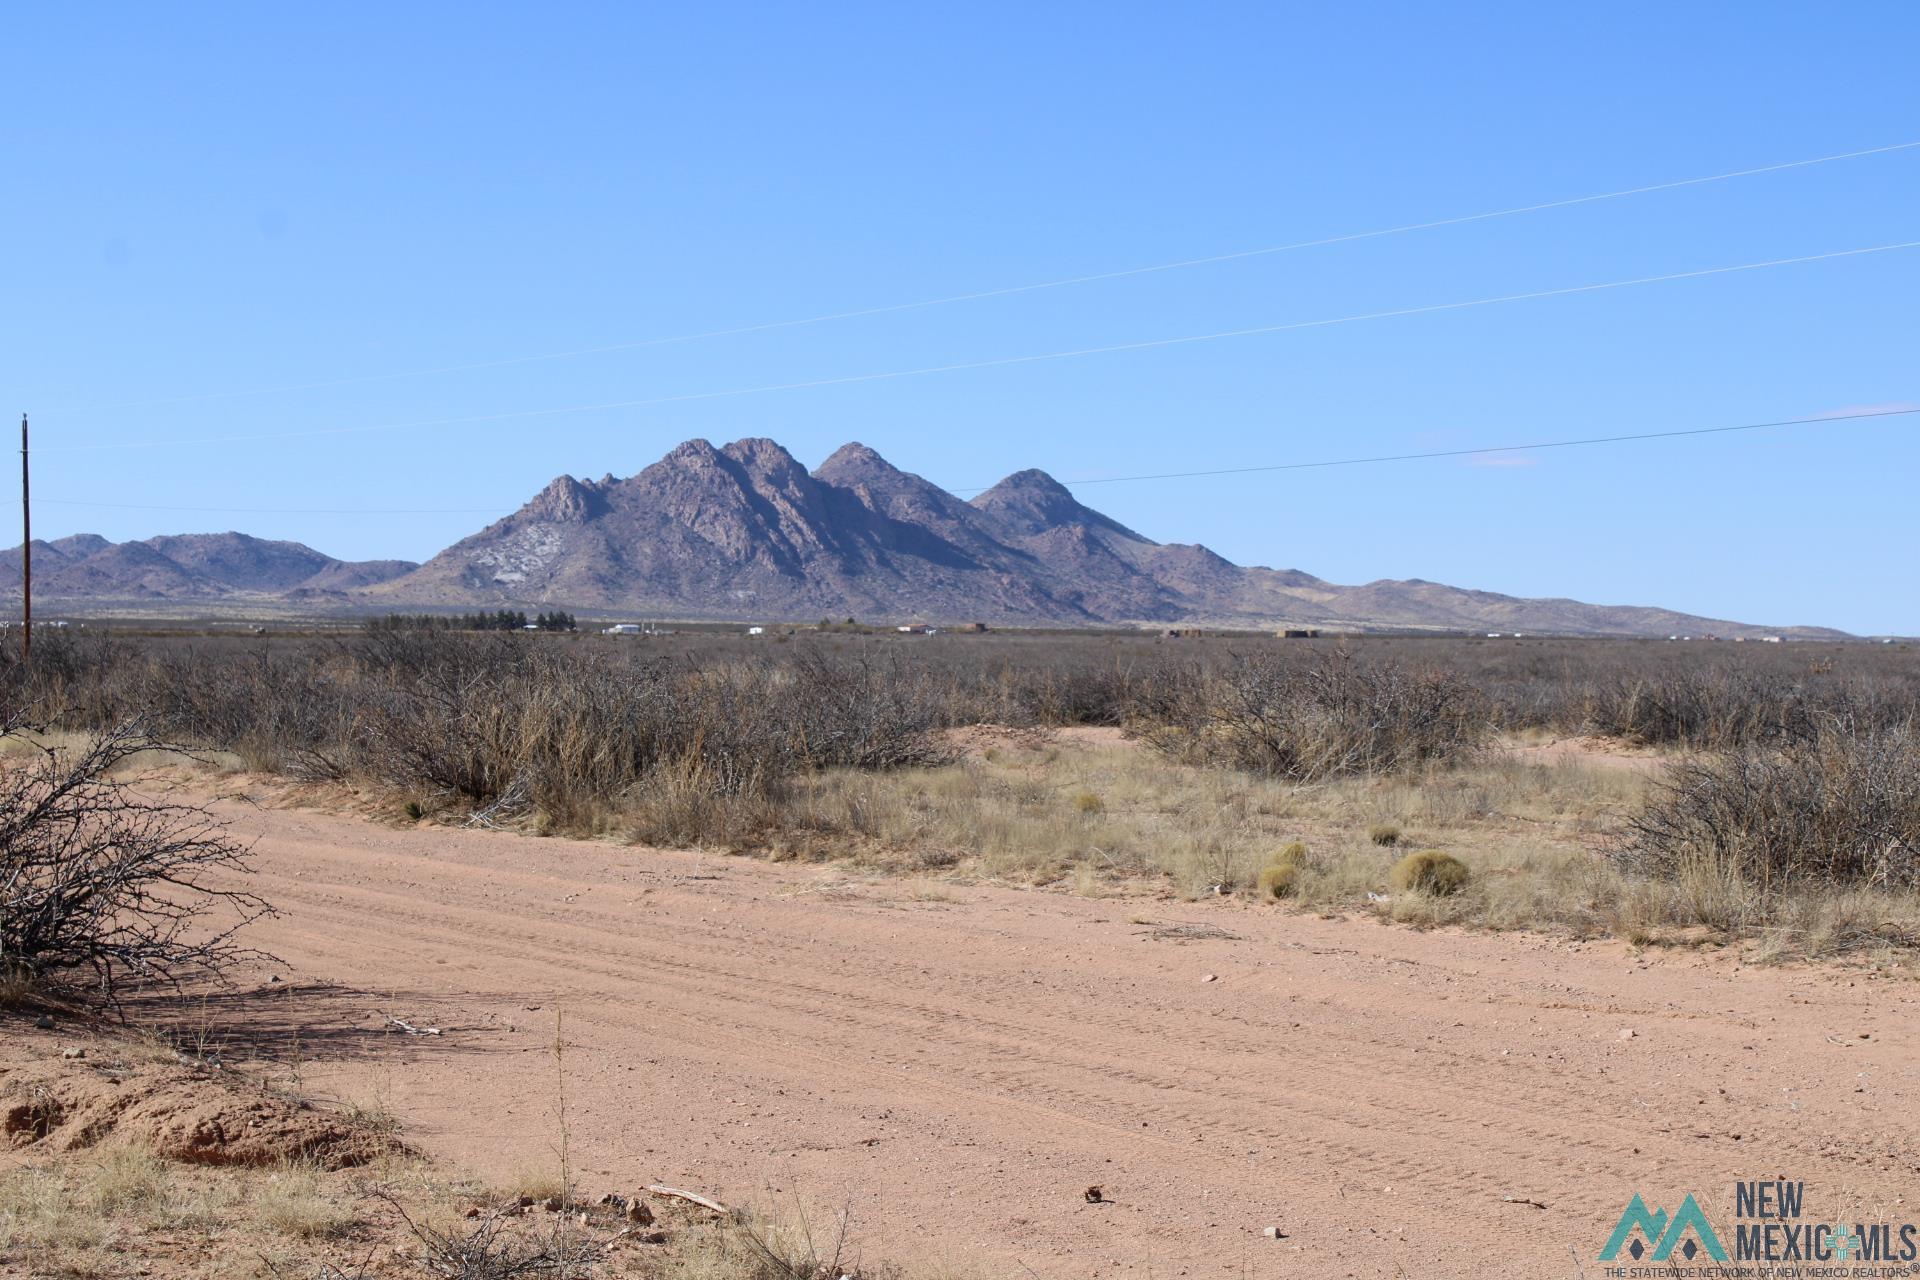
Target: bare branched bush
[
  {"x": 499, "y": 1246},
  {"x": 1838, "y": 807},
  {"x": 860, "y": 714},
  {"x": 1334, "y": 717},
  {"x": 97, "y": 877}
]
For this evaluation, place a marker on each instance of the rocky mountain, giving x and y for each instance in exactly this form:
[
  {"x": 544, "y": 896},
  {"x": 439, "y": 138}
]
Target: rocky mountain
[
  {"x": 195, "y": 566},
  {"x": 746, "y": 531}
]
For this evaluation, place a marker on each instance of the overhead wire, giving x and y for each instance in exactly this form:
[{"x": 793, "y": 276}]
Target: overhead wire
[
  {"x": 1858, "y": 415},
  {"x": 997, "y": 362},
  {"x": 1038, "y": 286}
]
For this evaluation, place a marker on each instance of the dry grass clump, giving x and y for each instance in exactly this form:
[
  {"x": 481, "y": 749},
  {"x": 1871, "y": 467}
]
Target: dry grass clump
[
  {"x": 1384, "y": 834},
  {"x": 299, "y": 1200},
  {"x": 1281, "y": 875},
  {"x": 1431, "y": 872},
  {"x": 75, "y": 1216}
]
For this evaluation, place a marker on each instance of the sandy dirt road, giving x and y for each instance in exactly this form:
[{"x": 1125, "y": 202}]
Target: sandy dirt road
[{"x": 959, "y": 1066}]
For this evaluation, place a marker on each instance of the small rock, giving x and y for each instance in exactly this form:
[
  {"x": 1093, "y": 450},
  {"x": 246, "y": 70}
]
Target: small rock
[
  {"x": 44, "y": 1022},
  {"x": 553, "y": 1204},
  {"x": 652, "y": 1237},
  {"x": 272, "y": 978},
  {"x": 1274, "y": 1233},
  {"x": 75, "y": 1052},
  {"x": 1211, "y": 977},
  {"x": 1626, "y": 1033},
  {"x": 473, "y": 1211},
  {"x": 638, "y": 1212}
]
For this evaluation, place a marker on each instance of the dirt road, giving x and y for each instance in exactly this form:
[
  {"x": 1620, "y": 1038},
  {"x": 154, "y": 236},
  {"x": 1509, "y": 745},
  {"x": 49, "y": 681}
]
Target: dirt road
[{"x": 959, "y": 1065}]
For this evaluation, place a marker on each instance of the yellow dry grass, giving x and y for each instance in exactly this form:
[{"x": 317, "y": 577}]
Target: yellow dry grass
[{"x": 1531, "y": 829}]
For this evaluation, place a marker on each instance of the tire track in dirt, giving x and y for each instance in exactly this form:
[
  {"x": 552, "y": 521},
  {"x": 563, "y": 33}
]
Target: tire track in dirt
[{"x": 1342, "y": 1079}]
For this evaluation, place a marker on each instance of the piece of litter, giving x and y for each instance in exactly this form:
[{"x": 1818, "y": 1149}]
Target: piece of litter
[{"x": 412, "y": 1030}]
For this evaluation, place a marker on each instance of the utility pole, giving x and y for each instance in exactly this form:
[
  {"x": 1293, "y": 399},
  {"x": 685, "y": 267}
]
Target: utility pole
[{"x": 26, "y": 550}]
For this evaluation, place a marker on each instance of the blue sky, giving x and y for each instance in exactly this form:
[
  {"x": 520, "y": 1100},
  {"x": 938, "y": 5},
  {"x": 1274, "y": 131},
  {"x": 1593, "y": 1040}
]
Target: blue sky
[{"x": 204, "y": 201}]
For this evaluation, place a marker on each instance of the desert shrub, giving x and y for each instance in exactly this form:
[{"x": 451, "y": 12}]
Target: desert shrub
[
  {"x": 1066, "y": 695},
  {"x": 1339, "y": 715},
  {"x": 681, "y": 803},
  {"x": 1710, "y": 707},
  {"x": 1089, "y": 803},
  {"x": 99, "y": 877},
  {"x": 1281, "y": 876},
  {"x": 1277, "y": 880},
  {"x": 858, "y": 713},
  {"x": 1384, "y": 834},
  {"x": 505, "y": 726},
  {"x": 1838, "y": 807},
  {"x": 1431, "y": 872}
]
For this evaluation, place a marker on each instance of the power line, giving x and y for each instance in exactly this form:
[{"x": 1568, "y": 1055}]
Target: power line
[
  {"x": 1003, "y": 361},
  {"x": 1011, "y": 290},
  {"x": 1859, "y": 415}
]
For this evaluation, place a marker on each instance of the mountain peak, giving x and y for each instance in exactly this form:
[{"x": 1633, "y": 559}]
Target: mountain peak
[
  {"x": 758, "y": 451},
  {"x": 566, "y": 500},
  {"x": 851, "y": 458},
  {"x": 696, "y": 451},
  {"x": 1033, "y": 502}
]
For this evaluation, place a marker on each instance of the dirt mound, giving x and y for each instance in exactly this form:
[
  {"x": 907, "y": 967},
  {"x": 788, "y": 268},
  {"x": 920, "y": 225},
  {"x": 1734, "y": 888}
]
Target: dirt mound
[
  {"x": 976, "y": 740},
  {"x": 178, "y": 1114}
]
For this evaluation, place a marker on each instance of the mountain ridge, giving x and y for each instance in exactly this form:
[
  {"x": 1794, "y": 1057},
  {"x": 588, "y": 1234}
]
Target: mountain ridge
[
  {"x": 189, "y": 566},
  {"x": 745, "y": 530}
]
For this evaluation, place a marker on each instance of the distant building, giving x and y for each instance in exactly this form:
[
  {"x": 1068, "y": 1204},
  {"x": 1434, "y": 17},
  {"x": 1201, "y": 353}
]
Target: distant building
[
  {"x": 756, "y": 631},
  {"x": 622, "y": 629},
  {"x": 1300, "y": 633}
]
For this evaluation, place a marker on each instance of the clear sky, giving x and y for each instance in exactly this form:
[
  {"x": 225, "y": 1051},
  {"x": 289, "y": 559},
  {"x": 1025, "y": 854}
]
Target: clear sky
[{"x": 316, "y": 203}]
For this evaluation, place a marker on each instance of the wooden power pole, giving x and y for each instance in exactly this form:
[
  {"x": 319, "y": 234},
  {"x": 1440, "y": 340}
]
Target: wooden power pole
[{"x": 26, "y": 550}]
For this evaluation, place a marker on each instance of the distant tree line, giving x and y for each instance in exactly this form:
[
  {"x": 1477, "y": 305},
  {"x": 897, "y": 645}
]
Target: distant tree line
[{"x": 498, "y": 620}]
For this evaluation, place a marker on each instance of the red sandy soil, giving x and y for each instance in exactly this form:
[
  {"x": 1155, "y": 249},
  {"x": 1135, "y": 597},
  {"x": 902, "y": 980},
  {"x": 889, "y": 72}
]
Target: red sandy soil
[
  {"x": 959, "y": 1066},
  {"x": 1594, "y": 753}
]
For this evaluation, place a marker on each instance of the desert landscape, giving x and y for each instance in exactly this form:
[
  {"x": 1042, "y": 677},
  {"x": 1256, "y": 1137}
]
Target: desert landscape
[
  {"x": 980, "y": 642},
  {"x": 961, "y": 954}
]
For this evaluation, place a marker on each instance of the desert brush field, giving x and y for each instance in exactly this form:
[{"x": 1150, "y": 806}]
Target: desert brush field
[{"x": 422, "y": 952}]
